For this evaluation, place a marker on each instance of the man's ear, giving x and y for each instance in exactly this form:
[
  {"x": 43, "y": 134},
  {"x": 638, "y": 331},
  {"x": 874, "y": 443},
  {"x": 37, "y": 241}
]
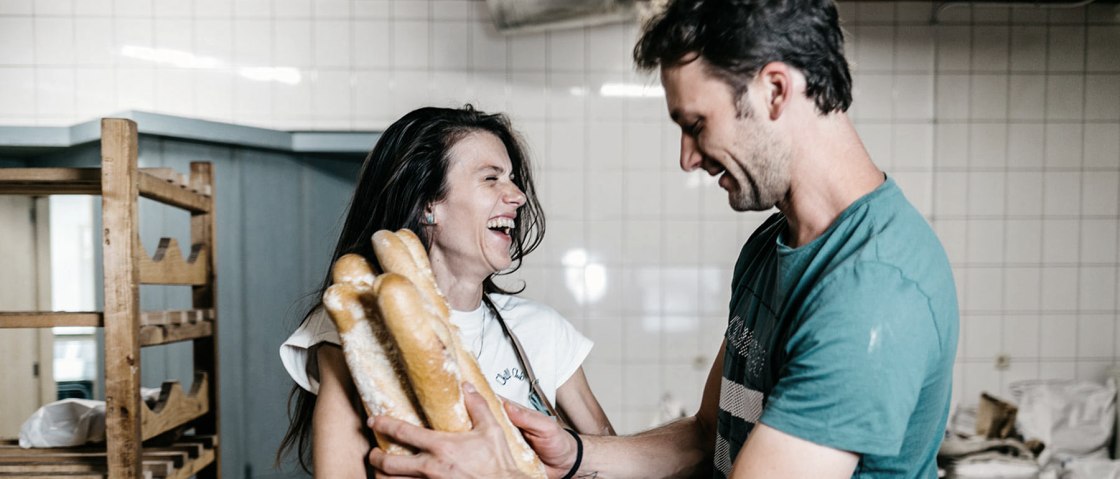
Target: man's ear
[{"x": 776, "y": 80}]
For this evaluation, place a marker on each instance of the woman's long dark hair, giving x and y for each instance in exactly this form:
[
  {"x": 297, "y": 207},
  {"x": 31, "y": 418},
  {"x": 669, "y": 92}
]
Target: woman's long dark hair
[{"x": 406, "y": 172}]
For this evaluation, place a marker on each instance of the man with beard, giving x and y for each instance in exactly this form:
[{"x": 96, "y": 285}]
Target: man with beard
[{"x": 842, "y": 330}]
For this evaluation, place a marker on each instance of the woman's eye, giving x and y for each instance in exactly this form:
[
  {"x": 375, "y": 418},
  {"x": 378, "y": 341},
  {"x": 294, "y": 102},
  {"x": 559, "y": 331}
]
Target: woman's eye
[{"x": 491, "y": 178}]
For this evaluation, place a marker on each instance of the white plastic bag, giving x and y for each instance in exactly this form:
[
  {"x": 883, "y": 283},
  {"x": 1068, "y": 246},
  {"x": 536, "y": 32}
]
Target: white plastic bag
[
  {"x": 1072, "y": 418},
  {"x": 69, "y": 422},
  {"x": 996, "y": 467},
  {"x": 1092, "y": 469}
]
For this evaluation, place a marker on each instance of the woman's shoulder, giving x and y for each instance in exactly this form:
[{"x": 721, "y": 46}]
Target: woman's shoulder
[
  {"x": 316, "y": 328},
  {"x": 295, "y": 352}
]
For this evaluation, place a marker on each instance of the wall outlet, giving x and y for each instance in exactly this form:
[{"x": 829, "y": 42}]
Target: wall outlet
[
  {"x": 700, "y": 362},
  {"x": 1003, "y": 362}
]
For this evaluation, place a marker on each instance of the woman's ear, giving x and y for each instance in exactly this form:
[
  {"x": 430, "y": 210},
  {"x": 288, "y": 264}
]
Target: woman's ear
[{"x": 429, "y": 216}]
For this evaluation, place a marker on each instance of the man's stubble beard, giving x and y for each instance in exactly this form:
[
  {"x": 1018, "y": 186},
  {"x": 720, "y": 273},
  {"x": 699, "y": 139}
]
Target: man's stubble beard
[{"x": 768, "y": 167}]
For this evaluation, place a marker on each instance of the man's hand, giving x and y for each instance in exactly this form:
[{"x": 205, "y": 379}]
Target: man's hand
[
  {"x": 554, "y": 445},
  {"x": 480, "y": 452}
]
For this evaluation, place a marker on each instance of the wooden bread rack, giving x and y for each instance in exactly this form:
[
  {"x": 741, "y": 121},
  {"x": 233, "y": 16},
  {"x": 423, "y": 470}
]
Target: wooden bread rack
[{"x": 130, "y": 423}]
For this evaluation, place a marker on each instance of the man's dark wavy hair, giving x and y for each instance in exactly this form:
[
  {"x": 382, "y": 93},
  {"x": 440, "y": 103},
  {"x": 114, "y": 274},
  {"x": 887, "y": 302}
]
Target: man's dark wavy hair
[{"x": 738, "y": 37}]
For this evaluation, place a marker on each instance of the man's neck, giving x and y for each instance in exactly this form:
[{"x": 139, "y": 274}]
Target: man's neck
[{"x": 829, "y": 172}]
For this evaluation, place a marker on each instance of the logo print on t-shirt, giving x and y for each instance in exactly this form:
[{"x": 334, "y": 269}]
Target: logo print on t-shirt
[
  {"x": 746, "y": 345},
  {"x": 510, "y": 373}
]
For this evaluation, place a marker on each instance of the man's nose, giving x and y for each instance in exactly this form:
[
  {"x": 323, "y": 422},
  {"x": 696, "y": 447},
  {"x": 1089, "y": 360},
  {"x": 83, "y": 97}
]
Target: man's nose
[{"x": 690, "y": 157}]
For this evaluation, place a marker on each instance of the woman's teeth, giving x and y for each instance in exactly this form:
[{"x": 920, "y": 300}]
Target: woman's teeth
[{"x": 503, "y": 224}]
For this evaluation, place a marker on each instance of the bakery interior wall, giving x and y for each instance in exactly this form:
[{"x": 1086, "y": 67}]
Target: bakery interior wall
[{"x": 1001, "y": 124}]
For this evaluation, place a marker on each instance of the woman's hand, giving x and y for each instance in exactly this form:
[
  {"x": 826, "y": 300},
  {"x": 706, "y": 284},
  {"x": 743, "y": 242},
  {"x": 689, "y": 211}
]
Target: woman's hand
[{"x": 480, "y": 452}]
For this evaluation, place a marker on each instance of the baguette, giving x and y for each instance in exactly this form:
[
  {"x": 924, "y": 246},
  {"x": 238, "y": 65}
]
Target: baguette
[
  {"x": 354, "y": 270},
  {"x": 392, "y": 249},
  {"x": 430, "y": 362},
  {"x": 369, "y": 360},
  {"x": 526, "y": 458},
  {"x": 402, "y": 253}
]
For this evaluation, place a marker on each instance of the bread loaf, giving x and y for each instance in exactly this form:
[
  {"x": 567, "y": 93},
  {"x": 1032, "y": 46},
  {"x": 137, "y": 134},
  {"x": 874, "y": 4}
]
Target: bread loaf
[
  {"x": 402, "y": 253},
  {"x": 404, "y": 354},
  {"x": 353, "y": 269},
  {"x": 394, "y": 247},
  {"x": 431, "y": 363},
  {"x": 370, "y": 360}
]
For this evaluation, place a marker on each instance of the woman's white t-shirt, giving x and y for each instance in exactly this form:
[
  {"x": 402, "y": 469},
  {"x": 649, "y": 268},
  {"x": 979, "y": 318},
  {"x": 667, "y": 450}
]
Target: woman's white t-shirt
[{"x": 554, "y": 347}]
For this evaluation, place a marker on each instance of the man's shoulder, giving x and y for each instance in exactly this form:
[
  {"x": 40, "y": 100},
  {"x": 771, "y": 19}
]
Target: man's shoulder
[
  {"x": 891, "y": 231},
  {"x": 886, "y": 256},
  {"x": 872, "y": 292}
]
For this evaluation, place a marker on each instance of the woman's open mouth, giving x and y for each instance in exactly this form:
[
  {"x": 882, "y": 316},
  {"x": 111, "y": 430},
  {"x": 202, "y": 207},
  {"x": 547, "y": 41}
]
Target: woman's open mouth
[{"x": 501, "y": 225}]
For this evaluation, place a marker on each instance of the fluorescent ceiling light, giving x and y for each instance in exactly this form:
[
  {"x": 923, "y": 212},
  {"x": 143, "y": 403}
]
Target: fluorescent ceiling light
[
  {"x": 286, "y": 75},
  {"x": 631, "y": 90},
  {"x": 181, "y": 59},
  {"x": 168, "y": 56}
]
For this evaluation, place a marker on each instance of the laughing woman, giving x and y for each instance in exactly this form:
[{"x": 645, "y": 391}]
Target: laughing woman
[{"x": 460, "y": 180}]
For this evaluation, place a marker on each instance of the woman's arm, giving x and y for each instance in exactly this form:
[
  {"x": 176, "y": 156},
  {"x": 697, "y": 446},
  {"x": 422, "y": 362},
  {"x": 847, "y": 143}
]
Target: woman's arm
[
  {"x": 339, "y": 445},
  {"x": 575, "y": 400}
]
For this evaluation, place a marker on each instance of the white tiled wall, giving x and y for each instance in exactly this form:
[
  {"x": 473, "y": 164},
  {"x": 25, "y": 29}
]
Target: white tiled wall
[{"x": 1002, "y": 125}]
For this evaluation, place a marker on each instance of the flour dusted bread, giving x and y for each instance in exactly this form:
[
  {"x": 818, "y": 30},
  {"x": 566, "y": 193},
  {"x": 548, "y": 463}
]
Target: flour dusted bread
[
  {"x": 370, "y": 359},
  {"x": 430, "y": 362},
  {"x": 403, "y": 253},
  {"x": 403, "y": 352},
  {"x": 353, "y": 269}
]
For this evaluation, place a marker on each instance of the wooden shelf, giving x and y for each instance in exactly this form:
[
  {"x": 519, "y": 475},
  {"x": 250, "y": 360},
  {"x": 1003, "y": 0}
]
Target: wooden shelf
[
  {"x": 180, "y": 460},
  {"x": 154, "y": 335},
  {"x": 173, "y": 191},
  {"x": 174, "y": 407},
  {"x": 50, "y": 181},
  {"x": 155, "y": 183},
  {"x": 175, "y": 318},
  {"x": 156, "y": 327},
  {"x": 48, "y": 319},
  {"x": 162, "y": 327},
  {"x": 167, "y": 265}
]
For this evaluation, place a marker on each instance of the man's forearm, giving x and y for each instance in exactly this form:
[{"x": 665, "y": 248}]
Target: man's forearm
[{"x": 679, "y": 449}]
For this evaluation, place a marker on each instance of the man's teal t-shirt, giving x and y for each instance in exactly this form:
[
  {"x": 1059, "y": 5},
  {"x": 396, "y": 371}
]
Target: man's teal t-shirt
[{"x": 847, "y": 341}]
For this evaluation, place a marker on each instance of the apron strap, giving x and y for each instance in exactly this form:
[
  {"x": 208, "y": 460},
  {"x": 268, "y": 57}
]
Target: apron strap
[{"x": 537, "y": 396}]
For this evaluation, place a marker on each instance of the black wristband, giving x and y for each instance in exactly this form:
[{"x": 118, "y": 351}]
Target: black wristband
[{"x": 579, "y": 454}]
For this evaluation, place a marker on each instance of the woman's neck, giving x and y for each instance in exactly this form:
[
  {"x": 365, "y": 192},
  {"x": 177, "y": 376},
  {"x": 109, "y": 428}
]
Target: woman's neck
[
  {"x": 463, "y": 292},
  {"x": 461, "y": 295}
]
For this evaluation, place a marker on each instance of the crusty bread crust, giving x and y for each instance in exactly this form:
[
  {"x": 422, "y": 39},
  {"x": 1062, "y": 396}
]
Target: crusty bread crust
[
  {"x": 402, "y": 253},
  {"x": 370, "y": 360},
  {"x": 353, "y": 269},
  {"x": 432, "y": 368}
]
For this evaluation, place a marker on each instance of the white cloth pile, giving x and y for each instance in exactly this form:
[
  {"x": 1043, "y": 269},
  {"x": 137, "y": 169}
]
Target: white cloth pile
[
  {"x": 71, "y": 422},
  {"x": 1074, "y": 420}
]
